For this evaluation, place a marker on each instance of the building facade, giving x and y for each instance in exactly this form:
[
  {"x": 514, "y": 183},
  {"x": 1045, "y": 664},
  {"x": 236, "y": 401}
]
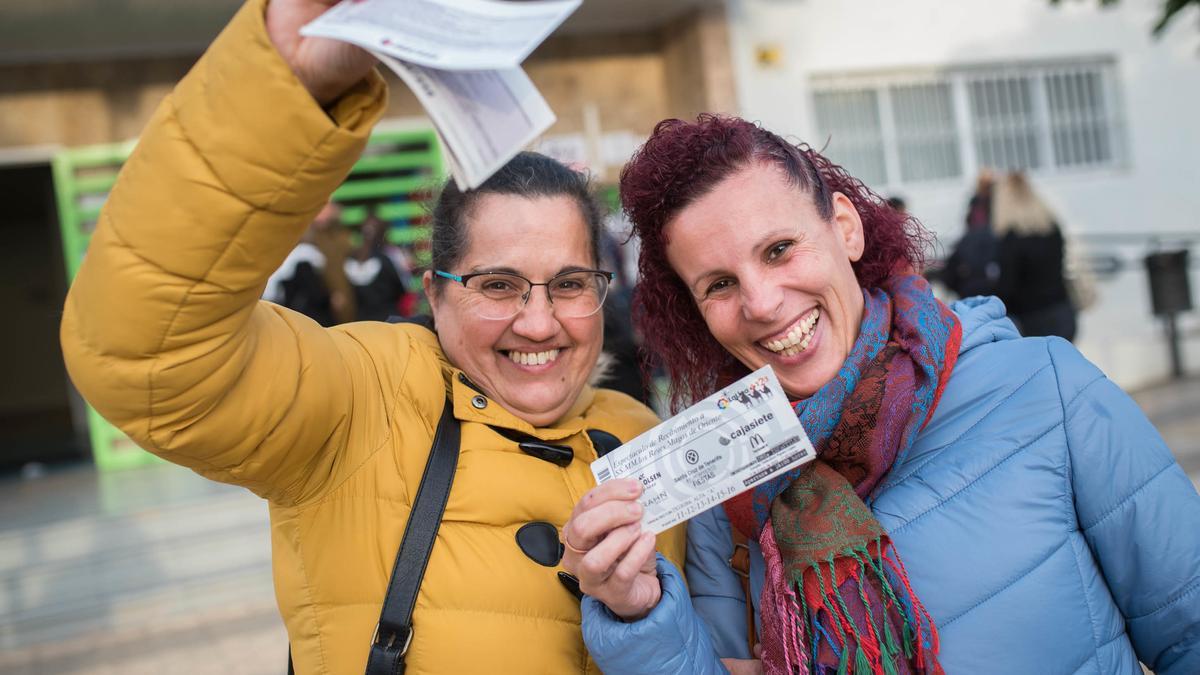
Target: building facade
[{"x": 916, "y": 97}]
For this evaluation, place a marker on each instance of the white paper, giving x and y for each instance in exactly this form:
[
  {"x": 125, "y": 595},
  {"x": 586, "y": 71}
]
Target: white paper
[
  {"x": 737, "y": 438},
  {"x": 462, "y": 60},
  {"x": 483, "y": 117},
  {"x": 445, "y": 34}
]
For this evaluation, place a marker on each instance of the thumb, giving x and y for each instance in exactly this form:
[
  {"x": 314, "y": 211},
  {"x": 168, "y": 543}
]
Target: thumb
[{"x": 650, "y": 563}]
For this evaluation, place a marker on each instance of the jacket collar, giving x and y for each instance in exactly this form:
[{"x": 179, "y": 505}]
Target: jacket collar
[
  {"x": 471, "y": 404},
  {"x": 984, "y": 320}
]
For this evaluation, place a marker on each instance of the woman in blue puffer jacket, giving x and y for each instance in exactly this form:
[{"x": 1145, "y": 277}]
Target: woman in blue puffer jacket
[{"x": 981, "y": 502}]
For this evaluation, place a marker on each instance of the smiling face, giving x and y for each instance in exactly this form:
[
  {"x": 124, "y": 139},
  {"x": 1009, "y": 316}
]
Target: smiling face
[
  {"x": 535, "y": 363},
  {"x": 772, "y": 278}
]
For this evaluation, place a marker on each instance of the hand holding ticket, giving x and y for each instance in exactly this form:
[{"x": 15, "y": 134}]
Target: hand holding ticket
[
  {"x": 445, "y": 34},
  {"x": 722, "y": 446},
  {"x": 462, "y": 60}
]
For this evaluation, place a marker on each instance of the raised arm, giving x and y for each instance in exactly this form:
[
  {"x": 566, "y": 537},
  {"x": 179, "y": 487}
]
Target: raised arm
[{"x": 162, "y": 330}]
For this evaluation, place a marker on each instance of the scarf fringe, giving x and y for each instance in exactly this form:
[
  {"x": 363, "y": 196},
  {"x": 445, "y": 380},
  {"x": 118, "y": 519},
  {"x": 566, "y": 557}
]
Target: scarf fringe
[
  {"x": 781, "y": 623},
  {"x": 812, "y": 611}
]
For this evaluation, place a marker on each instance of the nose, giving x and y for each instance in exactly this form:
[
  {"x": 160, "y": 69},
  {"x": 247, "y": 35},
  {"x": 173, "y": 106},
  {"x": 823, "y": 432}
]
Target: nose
[
  {"x": 536, "y": 321},
  {"x": 761, "y": 300}
]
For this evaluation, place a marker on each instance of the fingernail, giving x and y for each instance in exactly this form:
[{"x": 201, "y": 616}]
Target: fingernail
[
  {"x": 635, "y": 508},
  {"x": 635, "y": 487}
]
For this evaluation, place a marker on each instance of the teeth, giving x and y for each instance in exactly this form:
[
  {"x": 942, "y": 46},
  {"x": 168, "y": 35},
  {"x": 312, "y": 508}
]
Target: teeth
[
  {"x": 798, "y": 337},
  {"x": 533, "y": 358}
]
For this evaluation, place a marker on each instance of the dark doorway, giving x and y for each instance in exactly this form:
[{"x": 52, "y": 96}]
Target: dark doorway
[{"x": 35, "y": 403}]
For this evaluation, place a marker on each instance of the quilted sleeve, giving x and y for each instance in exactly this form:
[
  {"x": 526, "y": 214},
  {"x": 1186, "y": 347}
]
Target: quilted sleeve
[
  {"x": 716, "y": 590},
  {"x": 162, "y": 329},
  {"x": 671, "y": 640},
  {"x": 1138, "y": 511}
]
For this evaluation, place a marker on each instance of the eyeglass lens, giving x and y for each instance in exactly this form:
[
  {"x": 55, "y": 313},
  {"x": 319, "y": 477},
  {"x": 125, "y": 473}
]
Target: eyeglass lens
[{"x": 573, "y": 295}]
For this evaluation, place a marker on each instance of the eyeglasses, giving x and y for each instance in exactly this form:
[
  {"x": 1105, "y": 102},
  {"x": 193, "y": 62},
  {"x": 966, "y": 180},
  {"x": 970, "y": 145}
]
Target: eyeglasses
[{"x": 502, "y": 295}]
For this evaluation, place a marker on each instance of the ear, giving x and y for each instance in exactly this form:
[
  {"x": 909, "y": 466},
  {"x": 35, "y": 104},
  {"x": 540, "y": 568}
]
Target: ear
[
  {"x": 430, "y": 292},
  {"x": 848, "y": 223}
]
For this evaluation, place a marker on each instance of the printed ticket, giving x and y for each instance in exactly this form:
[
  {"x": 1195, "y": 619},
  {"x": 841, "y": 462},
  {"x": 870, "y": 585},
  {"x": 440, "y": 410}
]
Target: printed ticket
[{"x": 722, "y": 446}]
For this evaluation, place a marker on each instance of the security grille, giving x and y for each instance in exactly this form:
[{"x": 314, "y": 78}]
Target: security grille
[
  {"x": 909, "y": 127},
  {"x": 926, "y": 139},
  {"x": 1080, "y": 117},
  {"x": 852, "y": 116},
  {"x": 1005, "y": 125}
]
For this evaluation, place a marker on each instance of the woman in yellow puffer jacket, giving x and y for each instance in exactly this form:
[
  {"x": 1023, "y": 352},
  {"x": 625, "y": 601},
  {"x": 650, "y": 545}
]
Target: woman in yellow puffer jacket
[{"x": 164, "y": 334}]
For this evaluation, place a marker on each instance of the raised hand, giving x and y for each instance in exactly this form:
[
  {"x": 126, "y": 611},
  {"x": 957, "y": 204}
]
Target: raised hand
[
  {"x": 607, "y": 550},
  {"x": 327, "y": 68}
]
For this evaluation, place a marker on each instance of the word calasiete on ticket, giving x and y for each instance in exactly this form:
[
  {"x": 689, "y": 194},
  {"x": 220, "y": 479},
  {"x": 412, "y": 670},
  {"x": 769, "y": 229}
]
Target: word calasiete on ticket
[{"x": 721, "y": 446}]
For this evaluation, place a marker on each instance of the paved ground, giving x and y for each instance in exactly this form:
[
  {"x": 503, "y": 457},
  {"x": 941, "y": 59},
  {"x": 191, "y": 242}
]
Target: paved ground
[
  {"x": 158, "y": 571},
  {"x": 151, "y": 570}
]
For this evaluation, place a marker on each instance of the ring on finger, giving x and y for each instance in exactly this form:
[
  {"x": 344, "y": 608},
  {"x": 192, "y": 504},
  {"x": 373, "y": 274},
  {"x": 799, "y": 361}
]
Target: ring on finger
[{"x": 562, "y": 537}]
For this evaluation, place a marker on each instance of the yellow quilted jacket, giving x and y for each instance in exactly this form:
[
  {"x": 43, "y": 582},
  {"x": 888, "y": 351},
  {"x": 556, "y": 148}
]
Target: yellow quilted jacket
[{"x": 164, "y": 334}]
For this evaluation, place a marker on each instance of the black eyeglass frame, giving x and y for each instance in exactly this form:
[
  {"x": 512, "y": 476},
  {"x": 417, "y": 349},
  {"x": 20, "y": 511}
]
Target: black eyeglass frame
[{"x": 463, "y": 279}]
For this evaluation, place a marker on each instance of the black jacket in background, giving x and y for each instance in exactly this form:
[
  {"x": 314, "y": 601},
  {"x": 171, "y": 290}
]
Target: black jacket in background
[{"x": 1031, "y": 271}]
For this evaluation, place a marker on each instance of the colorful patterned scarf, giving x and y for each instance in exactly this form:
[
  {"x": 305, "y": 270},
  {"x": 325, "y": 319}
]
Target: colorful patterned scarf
[{"x": 837, "y": 598}]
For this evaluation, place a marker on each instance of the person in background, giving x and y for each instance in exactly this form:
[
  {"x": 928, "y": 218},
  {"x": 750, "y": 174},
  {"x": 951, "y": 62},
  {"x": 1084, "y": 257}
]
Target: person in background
[
  {"x": 379, "y": 272},
  {"x": 312, "y": 279},
  {"x": 980, "y": 502},
  {"x": 1031, "y": 252},
  {"x": 163, "y": 332},
  {"x": 620, "y": 361},
  {"x": 973, "y": 267}
]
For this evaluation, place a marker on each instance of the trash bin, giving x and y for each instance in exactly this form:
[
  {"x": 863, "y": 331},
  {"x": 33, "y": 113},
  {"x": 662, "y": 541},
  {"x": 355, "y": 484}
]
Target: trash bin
[
  {"x": 1170, "y": 295},
  {"x": 1170, "y": 289}
]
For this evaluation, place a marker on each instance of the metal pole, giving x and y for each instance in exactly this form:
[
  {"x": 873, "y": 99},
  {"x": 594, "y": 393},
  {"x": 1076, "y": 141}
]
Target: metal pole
[{"x": 1173, "y": 344}]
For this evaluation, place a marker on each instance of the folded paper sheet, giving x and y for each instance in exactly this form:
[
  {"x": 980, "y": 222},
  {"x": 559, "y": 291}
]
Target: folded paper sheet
[{"x": 462, "y": 60}]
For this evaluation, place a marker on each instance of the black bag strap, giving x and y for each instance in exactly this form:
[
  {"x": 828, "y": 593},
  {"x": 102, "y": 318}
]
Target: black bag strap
[{"x": 394, "y": 633}]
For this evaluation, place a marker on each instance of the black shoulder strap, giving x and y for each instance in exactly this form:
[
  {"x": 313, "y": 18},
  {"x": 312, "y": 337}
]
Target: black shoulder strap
[{"x": 394, "y": 633}]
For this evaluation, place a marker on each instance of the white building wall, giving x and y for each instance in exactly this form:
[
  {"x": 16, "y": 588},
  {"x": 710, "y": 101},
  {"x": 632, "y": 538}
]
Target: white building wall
[{"x": 1155, "y": 188}]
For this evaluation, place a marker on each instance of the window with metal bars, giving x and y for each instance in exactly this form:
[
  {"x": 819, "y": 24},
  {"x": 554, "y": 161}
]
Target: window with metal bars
[
  {"x": 1006, "y": 128},
  {"x": 926, "y": 136},
  {"x": 896, "y": 128},
  {"x": 1080, "y": 120},
  {"x": 852, "y": 116}
]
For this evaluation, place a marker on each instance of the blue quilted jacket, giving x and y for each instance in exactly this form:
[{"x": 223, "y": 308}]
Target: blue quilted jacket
[{"x": 1043, "y": 522}]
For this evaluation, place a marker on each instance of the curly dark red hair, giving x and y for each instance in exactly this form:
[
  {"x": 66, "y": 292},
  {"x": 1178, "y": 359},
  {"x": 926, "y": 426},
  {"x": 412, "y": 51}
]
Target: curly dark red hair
[{"x": 681, "y": 162}]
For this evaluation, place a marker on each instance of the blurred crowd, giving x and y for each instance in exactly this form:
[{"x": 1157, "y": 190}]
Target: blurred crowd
[
  {"x": 1013, "y": 247},
  {"x": 338, "y": 274}
]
